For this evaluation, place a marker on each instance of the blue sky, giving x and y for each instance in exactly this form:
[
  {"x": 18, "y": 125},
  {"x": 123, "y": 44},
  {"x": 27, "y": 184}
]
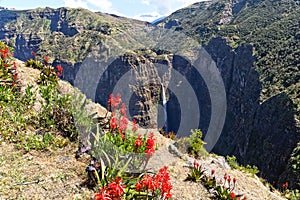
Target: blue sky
[{"x": 138, "y": 9}]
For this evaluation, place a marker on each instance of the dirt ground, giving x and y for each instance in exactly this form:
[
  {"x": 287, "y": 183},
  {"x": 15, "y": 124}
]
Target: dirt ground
[{"x": 50, "y": 174}]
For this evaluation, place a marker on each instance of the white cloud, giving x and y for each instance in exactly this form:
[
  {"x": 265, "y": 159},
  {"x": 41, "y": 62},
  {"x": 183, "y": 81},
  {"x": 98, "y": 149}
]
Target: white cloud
[
  {"x": 165, "y": 7},
  {"x": 146, "y": 2},
  {"x": 75, "y": 4},
  {"x": 104, "y": 5},
  {"x": 93, "y": 5},
  {"x": 149, "y": 17}
]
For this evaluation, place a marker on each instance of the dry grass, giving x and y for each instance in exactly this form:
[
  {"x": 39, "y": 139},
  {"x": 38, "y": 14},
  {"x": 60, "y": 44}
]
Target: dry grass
[{"x": 42, "y": 174}]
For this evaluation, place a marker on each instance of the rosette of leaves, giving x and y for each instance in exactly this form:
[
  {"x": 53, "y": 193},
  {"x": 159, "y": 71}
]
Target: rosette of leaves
[{"x": 35, "y": 64}]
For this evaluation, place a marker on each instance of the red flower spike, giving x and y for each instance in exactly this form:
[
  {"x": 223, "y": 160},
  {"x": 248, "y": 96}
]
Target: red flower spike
[
  {"x": 59, "y": 69},
  {"x": 102, "y": 196},
  {"x": 138, "y": 142},
  {"x": 13, "y": 83},
  {"x": 149, "y": 152},
  {"x": 138, "y": 186},
  {"x": 168, "y": 196},
  {"x": 115, "y": 189},
  {"x": 15, "y": 65},
  {"x": 212, "y": 172},
  {"x": 15, "y": 76},
  {"x": 46, "y": 59},
  {"x": 6, "y": 65},
  {"x": 135, "y": 125},
  {"x": 232, "y": 195},
  {"x": 33, "y": 53},
  {"x": 225, "y": 177},
  {"x": 114, "y": 102},
  {"x": 285, "y": 185},
  {"x": 150, "y": 143},
  {"x": 113, "y": 122},
  {"x": 123, "y": 124},
  {"x": 234, "y": 180},
  {"x": 228, "y": 179},
  {"x": 4, "y": 52},
  {"x": 123, "y": 109}
]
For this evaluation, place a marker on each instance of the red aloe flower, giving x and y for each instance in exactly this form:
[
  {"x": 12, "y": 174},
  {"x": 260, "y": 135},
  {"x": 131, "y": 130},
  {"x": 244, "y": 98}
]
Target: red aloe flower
[
  {"x": 166, "y": 187},
  {"x": 225, "y": 177},
  {"x": 123, "y": 109},
  {"x": 113, "y": 122},
  {"x": 15, "y": 65},
  {"x": 102, "y": 196},
  {"x": 196, "y": 164},
  {"x": 149, "y": 152},
  {"x": 4, "y": 52},
  {"x": 168, "y": 196},
  {"x": 234, "y": 180},
  {"x": 15, "y": 76},
  {"x": 46, "y": 59},
  {"x": 135, "y": 125},
  {"x": 115, "y": 189},
  {"x": 138, "y": 186},
  {"x": 59, "y": 69},
  {"x": 6, "y": 65},
  {"x": 138, "y": 142},
  {"x": 123, "y": 123},
  {"x": 228, "y": 179},
  {"x": 33, "y": 53},
  {"x": 212, "y": 172},
  {"x": 285, "y": 185},
  {"x": 148, "y": 182},
  {"x": 114, "y": 102},
  {"x": 232, "y": 195},
  {"x": 13, "y": 83},
  {"x": 150, "y": 141}
]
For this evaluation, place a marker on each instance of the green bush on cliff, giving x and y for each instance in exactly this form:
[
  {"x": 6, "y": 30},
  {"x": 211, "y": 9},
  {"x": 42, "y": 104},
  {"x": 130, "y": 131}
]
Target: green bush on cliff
[
  {"x": 235, "y": 165},
  {"x": 196, "y": 144},
  {"x": 20, "y": 121}
]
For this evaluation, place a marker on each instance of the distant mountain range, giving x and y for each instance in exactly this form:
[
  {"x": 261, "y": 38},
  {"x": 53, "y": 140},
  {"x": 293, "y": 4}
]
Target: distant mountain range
[{"x": 254, "y": 44}]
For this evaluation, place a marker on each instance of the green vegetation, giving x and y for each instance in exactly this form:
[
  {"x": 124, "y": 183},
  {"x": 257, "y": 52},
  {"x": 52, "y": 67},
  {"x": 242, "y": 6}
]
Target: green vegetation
[
  {"x": 234, "y": 164},
  {"x": 270, "y": 26},
  {"x": 20, "y": 122},
  {"x": 223, "y": 189},
  {"x": 291, "y": 194},
  {"x": 196, "y": 144},
  {"x": 53, "y": 125}
]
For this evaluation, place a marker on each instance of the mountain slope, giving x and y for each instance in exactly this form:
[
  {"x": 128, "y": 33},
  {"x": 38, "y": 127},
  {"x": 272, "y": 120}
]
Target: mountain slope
[{"x": 254, "y": 43}]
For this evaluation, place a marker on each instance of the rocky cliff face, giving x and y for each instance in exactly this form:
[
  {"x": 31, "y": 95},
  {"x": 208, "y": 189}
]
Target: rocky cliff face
[
  {"x": 261, "y": 126},
  {"x": 258, "y": 133}
]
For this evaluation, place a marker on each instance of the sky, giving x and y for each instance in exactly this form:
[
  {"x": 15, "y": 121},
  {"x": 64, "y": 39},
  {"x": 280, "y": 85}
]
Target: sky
[{"x": 147, "y": 10}]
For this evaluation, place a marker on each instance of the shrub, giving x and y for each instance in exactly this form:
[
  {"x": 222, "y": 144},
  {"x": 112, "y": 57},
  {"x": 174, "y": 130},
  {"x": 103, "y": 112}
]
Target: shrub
[
  {"x": 235, "y": 165},
  {"x": 196, "y": 144},
  {"x": 224, "y": 189}
]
